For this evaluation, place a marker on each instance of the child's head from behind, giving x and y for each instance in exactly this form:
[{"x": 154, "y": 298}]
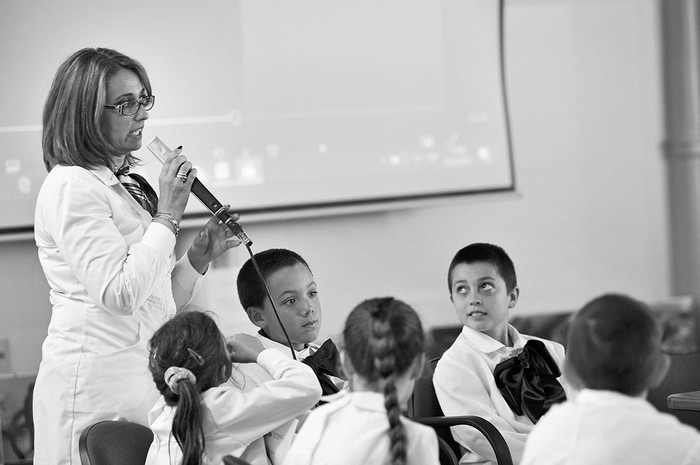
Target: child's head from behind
[
  {"x": 483, "y": 288},
  {"x": 188, "y": 356},
  {"x": 294, "y": 291},
  {"x": 383, "y": 344},
  {"x": 614, "y": 344}
]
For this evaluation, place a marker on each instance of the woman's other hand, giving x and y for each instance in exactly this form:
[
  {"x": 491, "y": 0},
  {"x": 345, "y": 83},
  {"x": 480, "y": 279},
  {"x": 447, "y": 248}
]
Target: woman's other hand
[{"x": 213, "y": 240}]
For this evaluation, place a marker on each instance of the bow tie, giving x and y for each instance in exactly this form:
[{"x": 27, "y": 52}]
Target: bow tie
[
  {"x": 528, "y": 381},
  {"x": 324, "y": 363}
]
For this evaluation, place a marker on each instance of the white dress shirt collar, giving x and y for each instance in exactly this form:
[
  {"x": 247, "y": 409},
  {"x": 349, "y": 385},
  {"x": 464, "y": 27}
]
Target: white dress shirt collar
[
  {"x": 105, "y": 175},
  {"x": 486, "y": 344}
]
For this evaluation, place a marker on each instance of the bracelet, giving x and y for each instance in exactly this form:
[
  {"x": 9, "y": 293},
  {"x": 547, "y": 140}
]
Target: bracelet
[{"x": 170, "y": 219}]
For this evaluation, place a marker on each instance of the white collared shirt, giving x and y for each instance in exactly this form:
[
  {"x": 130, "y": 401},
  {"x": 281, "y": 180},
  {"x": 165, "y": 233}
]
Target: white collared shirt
[
  {"x": 248, "y": 376},
  {"x": 464, "y": 385},
  {"x": 352, "y": 429},
  {"x": 609, "y": 428}
]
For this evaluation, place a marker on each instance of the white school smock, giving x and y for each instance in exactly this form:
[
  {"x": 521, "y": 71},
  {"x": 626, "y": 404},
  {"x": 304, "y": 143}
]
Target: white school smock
[
  {"x": 113, "y": 281},
  {"x": 248, "y": 376},
  {"x": 608, "y": 428},
  {"x": 353, "y": 429},
  {"x": 464, "y": 385},
  {"x": 234, "y": 419}
]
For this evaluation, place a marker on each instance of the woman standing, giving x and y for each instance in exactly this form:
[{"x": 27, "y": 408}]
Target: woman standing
[{"x": 107, "y": 250}]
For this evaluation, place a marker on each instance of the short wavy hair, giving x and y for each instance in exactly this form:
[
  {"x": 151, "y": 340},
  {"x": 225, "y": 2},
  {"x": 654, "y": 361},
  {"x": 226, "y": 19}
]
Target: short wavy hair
[
  {"x": 72, "y": 133},
  {"x": 614, "y": 342}
]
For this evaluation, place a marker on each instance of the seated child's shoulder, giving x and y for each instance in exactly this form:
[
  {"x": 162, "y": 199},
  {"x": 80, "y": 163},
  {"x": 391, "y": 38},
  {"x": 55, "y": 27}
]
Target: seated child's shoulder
[{"x": 554, "y": 348}]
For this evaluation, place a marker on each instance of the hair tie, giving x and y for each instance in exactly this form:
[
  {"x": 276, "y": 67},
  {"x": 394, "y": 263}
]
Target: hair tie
[{"x": 174, "y": 375}]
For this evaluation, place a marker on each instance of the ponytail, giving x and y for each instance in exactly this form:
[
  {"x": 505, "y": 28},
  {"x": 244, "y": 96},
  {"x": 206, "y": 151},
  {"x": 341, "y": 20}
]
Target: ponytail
[
  {"x": 383, "y": 345},
  {"x": 187, "y": 423}
]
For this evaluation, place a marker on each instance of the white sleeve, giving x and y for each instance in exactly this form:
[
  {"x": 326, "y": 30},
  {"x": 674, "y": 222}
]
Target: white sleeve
[
  {"x": 186, "y": 281},
  {"x": 247, "y": 416},
  {"x": 116, "y": 276},
  {"x": 460, "y": 391},
  {"x": 306, "y": 441}
]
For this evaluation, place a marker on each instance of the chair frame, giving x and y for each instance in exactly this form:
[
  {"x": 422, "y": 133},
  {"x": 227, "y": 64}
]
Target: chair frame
[
  {"x": 450, "y": 448},
  {"x": 428, "y": 412}
]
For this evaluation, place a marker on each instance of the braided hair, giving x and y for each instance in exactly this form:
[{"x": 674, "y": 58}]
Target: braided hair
[
  {"x": 192, "y": 343},
  {"x": 383, "y": 337}
]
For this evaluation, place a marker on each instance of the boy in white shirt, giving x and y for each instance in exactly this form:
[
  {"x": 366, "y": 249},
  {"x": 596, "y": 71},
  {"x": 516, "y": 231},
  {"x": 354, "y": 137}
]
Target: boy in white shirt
[
  {"x": 614, "y": 355},
  {"x": 474, "y": 376},
  {"x": 295, "y": 293}
]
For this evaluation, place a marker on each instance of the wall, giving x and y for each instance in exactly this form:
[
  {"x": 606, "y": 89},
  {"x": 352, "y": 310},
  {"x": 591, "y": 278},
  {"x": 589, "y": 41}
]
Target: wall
[{"x": 589, "y": 215}]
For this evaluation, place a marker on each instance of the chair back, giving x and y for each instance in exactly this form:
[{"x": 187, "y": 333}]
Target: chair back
[
  {"x": 424, "y": 401},
  {"x": 112, "y": 442}
]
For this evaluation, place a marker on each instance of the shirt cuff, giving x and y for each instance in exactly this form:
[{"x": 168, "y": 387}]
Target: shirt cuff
[
  {"x": 186, "y": 276},
  {"x": 161, "y": 238}
]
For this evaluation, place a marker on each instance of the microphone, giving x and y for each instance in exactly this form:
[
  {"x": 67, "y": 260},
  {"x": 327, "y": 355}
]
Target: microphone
[{"x": 160, "y": 150}]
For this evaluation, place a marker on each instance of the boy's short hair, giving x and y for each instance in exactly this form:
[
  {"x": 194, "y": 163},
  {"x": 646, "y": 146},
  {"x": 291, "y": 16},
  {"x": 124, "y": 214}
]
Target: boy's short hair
[
  {"x": 489, "y": 253},
  {"x": 614, "y": 342},
  {"x": 251, "y": 291}
]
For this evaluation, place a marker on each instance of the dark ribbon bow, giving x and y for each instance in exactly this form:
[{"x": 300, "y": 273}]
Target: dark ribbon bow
[
  {"x": 528, "y": 381},
  {"x": 325, "y": 362}
]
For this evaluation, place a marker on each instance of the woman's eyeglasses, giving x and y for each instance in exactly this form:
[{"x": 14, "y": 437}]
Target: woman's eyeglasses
[{"x": 132, "y": 106}]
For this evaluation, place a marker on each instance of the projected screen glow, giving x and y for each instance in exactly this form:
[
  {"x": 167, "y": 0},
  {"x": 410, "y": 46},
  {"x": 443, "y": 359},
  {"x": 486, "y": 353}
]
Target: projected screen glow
[{"x": 281, "y": 105}]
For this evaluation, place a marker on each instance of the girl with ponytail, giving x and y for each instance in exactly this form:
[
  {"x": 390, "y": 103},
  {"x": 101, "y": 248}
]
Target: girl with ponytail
[
  {"x": 382, "y": 355},
  {"x": 199, "y": 418}
]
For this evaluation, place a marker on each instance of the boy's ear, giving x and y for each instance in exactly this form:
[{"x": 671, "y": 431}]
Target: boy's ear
[
  {"x": 417, "y": 366},
  {"x": 572, "y": 376},
  {"x": 513, "y": 297},
  {"x": 256, "y": 316},
  {"x": 663, "y": 363},
  {"x": 346, "y": 365}
]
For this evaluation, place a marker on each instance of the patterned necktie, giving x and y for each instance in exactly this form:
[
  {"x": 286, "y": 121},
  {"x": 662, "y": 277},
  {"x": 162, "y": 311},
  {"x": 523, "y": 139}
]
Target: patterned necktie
[{"x": 139, "y": 189}]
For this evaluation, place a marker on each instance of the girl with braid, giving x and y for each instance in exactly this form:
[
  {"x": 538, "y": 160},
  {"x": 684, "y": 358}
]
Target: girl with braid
[
  {"x": 199, "y": 418},
  {"x": 382, "y": 355}
]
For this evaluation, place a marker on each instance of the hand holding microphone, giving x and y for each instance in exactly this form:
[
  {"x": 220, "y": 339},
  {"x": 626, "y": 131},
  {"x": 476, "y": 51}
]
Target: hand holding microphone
[
  {"x": 175, "y": 188},
  {"x": 161, "y": 152}
]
